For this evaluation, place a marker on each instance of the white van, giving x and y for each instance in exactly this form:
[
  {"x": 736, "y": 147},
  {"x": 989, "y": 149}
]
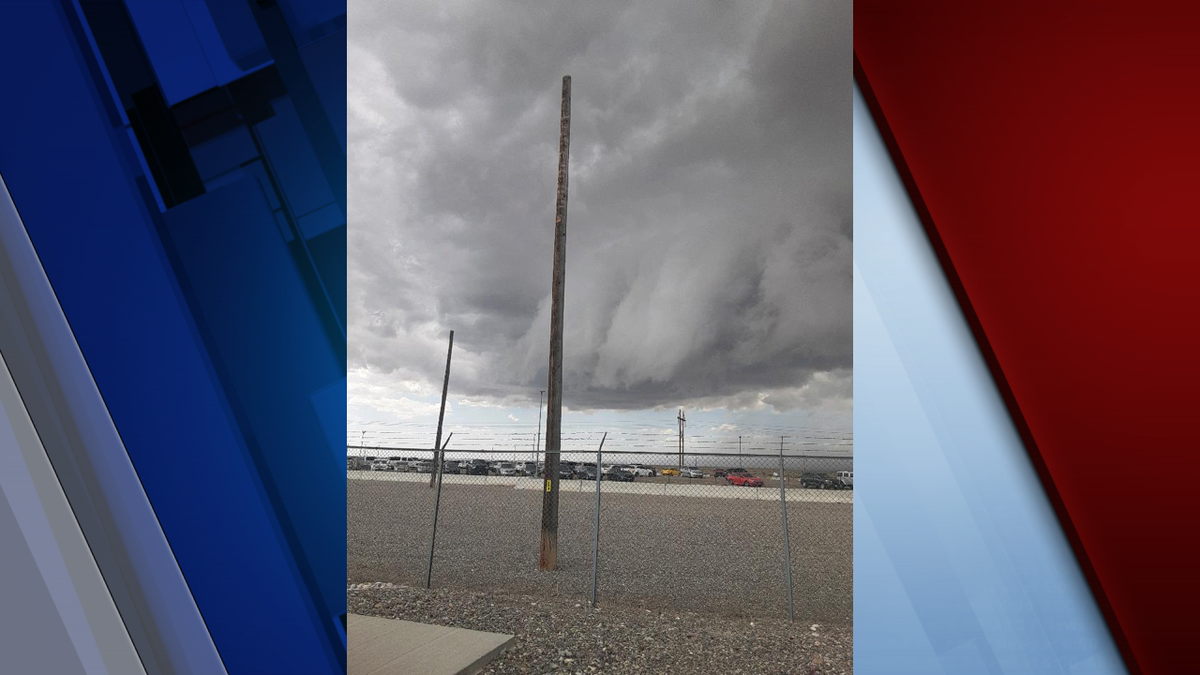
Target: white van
[{"x": 846, "y": 478}]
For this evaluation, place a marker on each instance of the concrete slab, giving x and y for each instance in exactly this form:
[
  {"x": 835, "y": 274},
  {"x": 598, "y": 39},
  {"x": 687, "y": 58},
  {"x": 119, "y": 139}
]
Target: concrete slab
[{"x": 393, "y": 647}]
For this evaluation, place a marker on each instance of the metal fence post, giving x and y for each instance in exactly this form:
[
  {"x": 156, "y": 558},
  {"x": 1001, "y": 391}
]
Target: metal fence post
[
  {"x": 437, "y": 443},
  {"x": 596, "y": 533},
  {"x": 437, "y": 502},
  {"x": 787, "y": 548}
]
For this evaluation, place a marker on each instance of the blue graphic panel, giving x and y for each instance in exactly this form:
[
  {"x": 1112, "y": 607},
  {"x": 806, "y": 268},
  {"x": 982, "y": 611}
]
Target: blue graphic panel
[
  {"x": 270, "y": 353},
  {"x": 325, "y": 61},
  {"x": 329, "y": 405},
  {"x": 210, "y": 315},
  {"x": 179, "y": 63},
  {"x": 960, "y": 565}
]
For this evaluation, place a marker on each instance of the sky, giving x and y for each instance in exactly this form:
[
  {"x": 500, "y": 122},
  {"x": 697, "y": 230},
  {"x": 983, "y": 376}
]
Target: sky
[{"x": 709, "y": 235}]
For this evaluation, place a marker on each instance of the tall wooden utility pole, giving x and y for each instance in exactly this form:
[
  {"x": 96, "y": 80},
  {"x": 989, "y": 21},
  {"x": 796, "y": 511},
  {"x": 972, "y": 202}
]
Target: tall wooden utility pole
[
  {"x": 548, "y": 551},
  {"x": 682, "y": 421},
  {"x": 437, "y": 443},
  {"x": 537, "y": 447}
]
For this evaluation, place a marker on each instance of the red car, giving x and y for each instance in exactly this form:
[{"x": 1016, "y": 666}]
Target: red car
[{"x": 743, "y": 478}]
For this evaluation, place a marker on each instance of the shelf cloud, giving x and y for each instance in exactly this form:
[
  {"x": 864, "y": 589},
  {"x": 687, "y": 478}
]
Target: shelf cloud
[{"x": 709, "y": 241}]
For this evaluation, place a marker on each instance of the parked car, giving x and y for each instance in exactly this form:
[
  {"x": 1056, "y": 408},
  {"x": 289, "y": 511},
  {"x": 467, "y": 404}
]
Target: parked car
[
  {"x": 845, "y": 479},
  {"x": 398, "y": 464},
  {"x": 381, "y": 465},
  {"x": 529, "y": 468},
  {"x": 586, "y": 472},
  {"x": 451, "y": 466},
  {"x": 507, "y": 469},
  {"x": 566, "y": 472},
  {"x": 641, "y": 470},
  {"x": 720, "y": 473},
  {"x": 691, "y": 472},
  {"x": 816, "y": 481},
  {"x": 744, "y": 479},
  {"x": 619, "y": 474},
  {"x": 670, "y": 471},
  {"x": 424, "y": 466},
  {"x": 477, "y": 467}
]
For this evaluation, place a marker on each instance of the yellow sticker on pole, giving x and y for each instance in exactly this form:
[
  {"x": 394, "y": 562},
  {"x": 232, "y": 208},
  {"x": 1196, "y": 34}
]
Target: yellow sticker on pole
[{"x": 548, "y": 484}]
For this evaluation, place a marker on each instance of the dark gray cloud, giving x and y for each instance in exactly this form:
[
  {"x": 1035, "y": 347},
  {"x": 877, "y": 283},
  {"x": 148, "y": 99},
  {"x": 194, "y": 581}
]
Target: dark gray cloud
[{"x": 709, "y": 240}]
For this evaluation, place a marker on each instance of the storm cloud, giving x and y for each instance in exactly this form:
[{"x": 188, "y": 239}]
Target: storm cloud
[{"x": 709, "y": 239}]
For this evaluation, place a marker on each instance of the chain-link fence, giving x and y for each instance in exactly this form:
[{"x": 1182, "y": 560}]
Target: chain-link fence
[{"x": 700, "y": 532}]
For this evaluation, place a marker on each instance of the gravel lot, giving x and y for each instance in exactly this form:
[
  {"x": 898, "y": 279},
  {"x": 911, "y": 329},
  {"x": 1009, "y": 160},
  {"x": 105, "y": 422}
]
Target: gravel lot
[
  {"x": 713, "y": 556},
  {"x": 558, "y": 635}
]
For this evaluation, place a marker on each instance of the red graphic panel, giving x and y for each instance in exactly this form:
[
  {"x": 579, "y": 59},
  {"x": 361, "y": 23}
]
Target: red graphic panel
[{"x": 1053, "y": 154}]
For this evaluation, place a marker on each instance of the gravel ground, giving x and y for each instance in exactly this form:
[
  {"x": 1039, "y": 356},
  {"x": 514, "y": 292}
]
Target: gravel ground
[
  {"x": 715, "y": 556},
  {"x": 558, "y": 635}
]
